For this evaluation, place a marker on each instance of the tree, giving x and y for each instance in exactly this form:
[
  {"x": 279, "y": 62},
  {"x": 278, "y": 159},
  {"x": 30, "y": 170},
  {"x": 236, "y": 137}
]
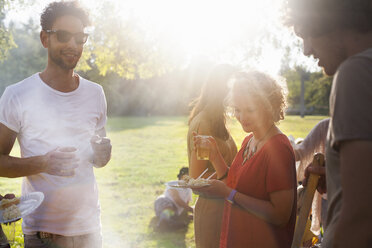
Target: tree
[
  {"x": 318, "y": 91},
  {"x": 6, "y": 39},
  {"x": 29, "y": 56},
  {"x": 124, "y": 47},
  {"x": 317, "y": 88}
]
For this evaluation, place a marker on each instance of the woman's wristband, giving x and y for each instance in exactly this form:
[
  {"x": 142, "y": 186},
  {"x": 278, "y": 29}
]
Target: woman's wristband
[
  {"x": 230, "y": 198},
  {"x": 225, "y": 175}
]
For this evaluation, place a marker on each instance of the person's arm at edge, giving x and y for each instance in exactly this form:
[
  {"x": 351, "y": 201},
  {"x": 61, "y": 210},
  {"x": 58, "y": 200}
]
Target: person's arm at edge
[
  {"x": 312, "y": 141},
  {"x": 353, "y": 228},
  {"x": 16, "y": 167}
]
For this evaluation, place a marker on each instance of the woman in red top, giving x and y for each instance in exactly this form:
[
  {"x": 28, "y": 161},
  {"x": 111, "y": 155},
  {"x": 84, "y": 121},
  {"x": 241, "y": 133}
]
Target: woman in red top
[{"x": 260, "y": 186}]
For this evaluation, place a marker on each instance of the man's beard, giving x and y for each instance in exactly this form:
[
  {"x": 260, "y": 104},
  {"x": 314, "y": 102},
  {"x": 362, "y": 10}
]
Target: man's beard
[{"x": 59, "y": 61}]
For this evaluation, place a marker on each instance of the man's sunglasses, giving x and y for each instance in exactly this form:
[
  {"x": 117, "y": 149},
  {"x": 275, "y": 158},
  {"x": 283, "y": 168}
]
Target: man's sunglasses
[{"x": 65, "y": 36}]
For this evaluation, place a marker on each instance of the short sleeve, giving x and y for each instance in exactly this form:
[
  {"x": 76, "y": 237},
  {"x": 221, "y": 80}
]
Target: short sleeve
[
  {"x": 9, "y": 111},
  {"x": 281, "y": 172},
  {"x": 351, "y": 101},
  {"x": 103, "y": 111}
]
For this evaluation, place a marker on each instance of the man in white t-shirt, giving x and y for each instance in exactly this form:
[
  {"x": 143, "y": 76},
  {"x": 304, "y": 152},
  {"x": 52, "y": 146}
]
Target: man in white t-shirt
[{"x": 50, "y": 113}]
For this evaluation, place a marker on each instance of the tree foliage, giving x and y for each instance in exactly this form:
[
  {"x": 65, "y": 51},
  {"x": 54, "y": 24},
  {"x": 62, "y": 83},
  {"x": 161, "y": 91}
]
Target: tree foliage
[
  {"x": 6, "y": 39},
  {"x": 317, "y": 93},
  {"x": 122, "y": 46},
  {"x": 27, "y": 58},
  {"x": 317, "y": 90},
  {"x": 145, "y": 72}
]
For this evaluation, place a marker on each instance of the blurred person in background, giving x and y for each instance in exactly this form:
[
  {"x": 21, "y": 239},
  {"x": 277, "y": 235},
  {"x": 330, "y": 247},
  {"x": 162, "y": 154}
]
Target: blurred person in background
[
  {"x": 304, "y": 151},
  {"x": 172, "y": 207},
  {"x": 259, "y": 189},
  {"x": 339, "y": 35},
  {"x": 49, "y": 112},
  {"x": 208, "y": 117}
]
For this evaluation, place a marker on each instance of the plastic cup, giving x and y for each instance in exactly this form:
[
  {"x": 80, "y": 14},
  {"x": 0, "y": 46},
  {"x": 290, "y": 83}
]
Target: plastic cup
[
  {"x": 68, "y": 150},
  {"x": 202, "y": 151}
]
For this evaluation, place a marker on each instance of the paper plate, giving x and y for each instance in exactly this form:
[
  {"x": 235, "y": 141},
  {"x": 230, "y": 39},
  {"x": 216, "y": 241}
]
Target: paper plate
[
  {"x": 27, "y": 205},
  {"x": 176, "y": 184}
]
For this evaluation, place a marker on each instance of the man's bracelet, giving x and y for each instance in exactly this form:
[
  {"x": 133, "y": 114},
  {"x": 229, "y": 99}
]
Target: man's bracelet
[
  {"x": 225, "y": 175},
  {"x": 230, "y": 198}
]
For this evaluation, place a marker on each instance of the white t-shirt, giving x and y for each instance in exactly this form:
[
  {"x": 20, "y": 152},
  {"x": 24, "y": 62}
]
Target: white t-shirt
[
  {"x": 184, "y": 193},
  {"x": 45, "y": 119}
]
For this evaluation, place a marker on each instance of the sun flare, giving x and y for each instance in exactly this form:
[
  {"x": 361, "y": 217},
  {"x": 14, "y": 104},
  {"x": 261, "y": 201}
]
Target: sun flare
[
  {"x": 220, "y": 30},
  {"x": 209, "y": 28}
]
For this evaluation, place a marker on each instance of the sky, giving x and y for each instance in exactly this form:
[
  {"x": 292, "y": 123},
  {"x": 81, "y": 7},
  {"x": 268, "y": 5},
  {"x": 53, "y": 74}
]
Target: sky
[{"x": 202, "y": 27}]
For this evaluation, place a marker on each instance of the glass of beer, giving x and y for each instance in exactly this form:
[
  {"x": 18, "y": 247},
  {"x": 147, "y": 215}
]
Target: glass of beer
[{"x": 202, "y": 151}]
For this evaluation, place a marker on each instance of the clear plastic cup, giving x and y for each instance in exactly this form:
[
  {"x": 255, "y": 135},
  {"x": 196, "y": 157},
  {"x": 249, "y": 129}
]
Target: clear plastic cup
[
  {"x": 68, "y": 149},
  {"x": 202, "y": 150}
]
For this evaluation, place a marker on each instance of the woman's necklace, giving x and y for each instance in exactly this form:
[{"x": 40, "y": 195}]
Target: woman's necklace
[{"x": 248, "y": 154}]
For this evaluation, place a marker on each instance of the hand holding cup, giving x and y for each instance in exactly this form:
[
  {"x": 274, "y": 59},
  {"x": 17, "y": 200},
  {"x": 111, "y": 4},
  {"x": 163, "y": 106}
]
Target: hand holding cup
[
  {"x": 205, "y": 146},
  {"x": 101, "y": 150},
  {"x": 61, "y": 161}
]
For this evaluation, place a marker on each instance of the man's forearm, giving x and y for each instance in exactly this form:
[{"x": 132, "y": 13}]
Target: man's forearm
[{"x": 19, "y": 167}]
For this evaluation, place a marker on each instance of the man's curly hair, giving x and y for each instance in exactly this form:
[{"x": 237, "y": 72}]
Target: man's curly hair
[
  {"x": 317, "y": 17},
  {"x": 57, "y": 9}
]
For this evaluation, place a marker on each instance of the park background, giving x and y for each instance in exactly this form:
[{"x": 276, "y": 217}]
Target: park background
[{"x": 152, "y": 57}]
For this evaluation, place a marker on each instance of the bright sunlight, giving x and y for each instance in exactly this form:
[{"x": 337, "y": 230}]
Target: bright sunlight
[
  {"x": 208, "y": 27},
  {"x": 243, "y": 32}
]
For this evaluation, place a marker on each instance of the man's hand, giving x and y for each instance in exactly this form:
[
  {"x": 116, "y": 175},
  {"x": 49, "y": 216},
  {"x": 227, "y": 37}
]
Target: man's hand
[
  {"x": 101, "y": 150},
  {"x": 61, "y": 162},
  {"x": 319, "y": 170}
]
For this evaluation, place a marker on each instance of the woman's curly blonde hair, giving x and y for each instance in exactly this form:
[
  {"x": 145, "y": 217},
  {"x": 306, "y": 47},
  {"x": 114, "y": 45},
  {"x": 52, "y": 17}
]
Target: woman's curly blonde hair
[{"x": 269, "y": 92}]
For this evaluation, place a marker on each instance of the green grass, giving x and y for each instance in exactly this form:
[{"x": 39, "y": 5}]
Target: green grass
[{"x": 147, "y": 152}]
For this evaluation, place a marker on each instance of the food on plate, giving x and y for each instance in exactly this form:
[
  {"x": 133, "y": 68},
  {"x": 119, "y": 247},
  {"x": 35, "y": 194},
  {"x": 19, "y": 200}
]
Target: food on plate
[
  {"x": 189, "y": 181},
  {"x": 11, "y": 213},
  {"x": 10, "y": 209},
  {"x": 6, "y": 203}
]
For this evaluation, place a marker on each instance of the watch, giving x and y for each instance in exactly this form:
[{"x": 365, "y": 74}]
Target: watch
[{"x": 230, "y": 198}]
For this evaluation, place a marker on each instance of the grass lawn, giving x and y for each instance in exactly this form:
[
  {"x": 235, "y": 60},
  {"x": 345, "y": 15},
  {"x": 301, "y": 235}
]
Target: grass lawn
[{"x": 147, "y": 152}]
